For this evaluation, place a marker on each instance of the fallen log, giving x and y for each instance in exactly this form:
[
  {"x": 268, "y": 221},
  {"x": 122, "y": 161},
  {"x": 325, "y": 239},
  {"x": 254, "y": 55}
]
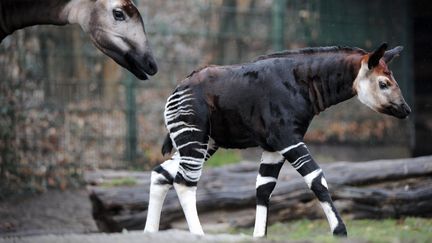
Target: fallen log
[{"x": 226, "y": 195}]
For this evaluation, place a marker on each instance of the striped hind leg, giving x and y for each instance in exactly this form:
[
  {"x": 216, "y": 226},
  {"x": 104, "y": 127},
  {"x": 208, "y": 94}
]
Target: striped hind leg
[
  {"x": 178, "y": 108},
  {"x": 186, "y": 118},
  {"x": 192, "y": 156},
  {"x": 162, "y": 179},
  {"x": 271, "y": 163},
  {"x": 299, "y": 157}
]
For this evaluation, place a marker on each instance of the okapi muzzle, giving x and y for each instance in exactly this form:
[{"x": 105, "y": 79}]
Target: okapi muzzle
[
  {"x": 401, "y": 110},
  {"x": 376, "y": 86},
  {"x": 141, "y": 65}
]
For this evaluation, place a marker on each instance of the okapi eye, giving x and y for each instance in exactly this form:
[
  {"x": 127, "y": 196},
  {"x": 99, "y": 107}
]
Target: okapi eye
[
  {"x": 118, "y": 15},
  {"x": 383, "y": 85}
]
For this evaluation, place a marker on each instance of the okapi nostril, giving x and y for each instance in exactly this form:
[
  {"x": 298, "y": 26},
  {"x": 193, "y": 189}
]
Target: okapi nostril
[
  {"x": 406, "y": 108},
  {"x": 150, "y": 65},
  {"x": 153, "y": 69}
]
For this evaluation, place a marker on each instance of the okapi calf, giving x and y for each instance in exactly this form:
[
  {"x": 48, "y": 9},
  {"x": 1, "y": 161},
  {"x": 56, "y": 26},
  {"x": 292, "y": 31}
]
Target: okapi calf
[{"x": 267, "y": 103}]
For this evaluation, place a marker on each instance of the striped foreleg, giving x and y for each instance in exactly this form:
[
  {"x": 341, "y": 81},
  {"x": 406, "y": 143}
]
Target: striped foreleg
[
  {"x": 300, "y": 158},
  {"x": 271, "y": 163}
]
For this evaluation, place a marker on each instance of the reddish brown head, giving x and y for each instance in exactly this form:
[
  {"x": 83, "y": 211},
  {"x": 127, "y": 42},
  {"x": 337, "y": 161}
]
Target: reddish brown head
[{"x": 376, "y": 86}]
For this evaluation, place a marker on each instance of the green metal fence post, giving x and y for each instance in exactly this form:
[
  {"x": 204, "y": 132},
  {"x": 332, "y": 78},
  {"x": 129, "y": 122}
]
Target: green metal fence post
[
  {"x": 407, "y": 60},
  {"x": 131, "y": 119},
  {"x": 278, "y": 34}
]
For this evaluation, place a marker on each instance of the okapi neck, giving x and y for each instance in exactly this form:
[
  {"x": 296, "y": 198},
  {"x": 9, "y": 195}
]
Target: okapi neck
[
  {"x": 328, "y": 79},
  {"x": 18, "y": 14}
]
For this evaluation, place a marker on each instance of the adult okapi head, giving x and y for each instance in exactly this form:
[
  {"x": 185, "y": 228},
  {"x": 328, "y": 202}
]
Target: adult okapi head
[
  {"x": 117, "y": 29},
  {"x": 376, "y": 86}
]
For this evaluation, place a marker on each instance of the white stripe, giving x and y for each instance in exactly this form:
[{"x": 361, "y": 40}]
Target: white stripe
[
  {"x": 179, "y": 96},
  {"x": 180, "y": 113},
  {"x": 189, "y": 143},
  {"x": 179, "y": 103},
  {"x": 179, "y": 93},
  {"x": 191, "y": 176},
  {"x": 202, "y": 151},
  {"x": 324, "y": 182},
  {"x": 262, "y": 180},
  {"x": 260, "y": 221},
  {"x": 174, "y": 111},
  {"x": 297, "y": 160},
  {"x": 187, "y": 129},
  {"x": 183, "y": 91},
  {"x": 183, "y": 110},
  {"x": 170, "y": 110},
  {"x": 301, "y": 164},
  {"x": 290, "y": 148},
  {"x": 191, "y": 162},
  {"x": 178, "y": 99},
  {"x": 187, "y": 158},
  {"x": 311, "y": 176},
  {"x": 331, "y": 216},
  {"x": 180, "y": 123}
]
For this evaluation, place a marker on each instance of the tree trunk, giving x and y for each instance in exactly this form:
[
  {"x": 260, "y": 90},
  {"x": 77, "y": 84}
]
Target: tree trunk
[{"x": 376, "y": 189}]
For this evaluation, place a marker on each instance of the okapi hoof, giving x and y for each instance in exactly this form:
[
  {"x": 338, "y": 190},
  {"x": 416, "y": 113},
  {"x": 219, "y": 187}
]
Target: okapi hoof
[{"x": 340, "y": 231}]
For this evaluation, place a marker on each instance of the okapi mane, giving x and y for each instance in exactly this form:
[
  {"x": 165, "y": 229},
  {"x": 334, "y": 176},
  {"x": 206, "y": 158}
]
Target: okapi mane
[
  {"x": 312, "y": 50},
  {"x": 198, "y": 70}
]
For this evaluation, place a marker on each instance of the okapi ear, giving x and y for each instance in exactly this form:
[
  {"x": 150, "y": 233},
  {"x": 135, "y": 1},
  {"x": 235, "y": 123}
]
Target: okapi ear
[
  {"x": 390, "y": 54},
  {"x": 376, "y": 56}
]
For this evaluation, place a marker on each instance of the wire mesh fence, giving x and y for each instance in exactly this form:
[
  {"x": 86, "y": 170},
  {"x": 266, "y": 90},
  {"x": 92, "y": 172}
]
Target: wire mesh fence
[{"x": 65, "y": 107}]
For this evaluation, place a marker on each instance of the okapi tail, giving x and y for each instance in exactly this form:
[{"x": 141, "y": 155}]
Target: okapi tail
[{"x": 167, "y": 145}]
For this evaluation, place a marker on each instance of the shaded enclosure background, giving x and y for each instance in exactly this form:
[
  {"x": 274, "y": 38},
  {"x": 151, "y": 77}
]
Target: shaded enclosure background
[{"x": 64, "y": 107}]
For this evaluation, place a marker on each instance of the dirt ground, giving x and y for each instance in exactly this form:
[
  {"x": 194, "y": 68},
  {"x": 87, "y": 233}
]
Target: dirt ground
[
  {"x": 65, "y": 217},
  {"x": 131, "y": 237},
  {"x": 53, "y": 212}
]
